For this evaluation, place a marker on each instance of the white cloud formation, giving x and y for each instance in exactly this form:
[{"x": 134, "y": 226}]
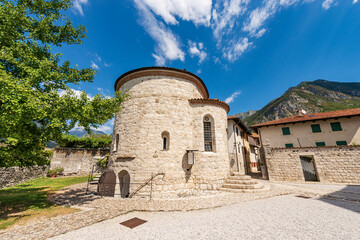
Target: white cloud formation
[
  {"x": 75, "y": 92},
  {"x": 260, "y": 33},
  {"x": 327, "y": 4},
  {"x": 232, "y": 97},
  {"x": 355, "y": 1},
  {"x": 236, "y": 49},
  {"x": 167, "y": 44},
  {"x": 198, "y": 12},
  {"x": 78, "y": 6},
  {"x": 225, "y": 14},
  {"x": 197, "y": 49},
  {"x": 94, "y": 65}
]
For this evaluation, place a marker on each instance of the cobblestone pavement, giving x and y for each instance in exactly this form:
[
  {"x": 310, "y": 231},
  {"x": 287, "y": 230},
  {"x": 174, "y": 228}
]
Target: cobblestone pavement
[
  {"x": 282, "y": 217},
  {"x": 96, "y": 209}
]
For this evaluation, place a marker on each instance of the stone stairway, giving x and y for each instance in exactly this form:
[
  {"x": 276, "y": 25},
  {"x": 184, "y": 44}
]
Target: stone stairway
[{"x": 239, "y": 183}]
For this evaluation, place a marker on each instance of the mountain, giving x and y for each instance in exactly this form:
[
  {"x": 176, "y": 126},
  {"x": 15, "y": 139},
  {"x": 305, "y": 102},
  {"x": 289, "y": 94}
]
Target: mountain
[
  {"x": 315, "y": 96},
  {"x": 244, "y": 115},
  {"x": 80, "y": 132}
]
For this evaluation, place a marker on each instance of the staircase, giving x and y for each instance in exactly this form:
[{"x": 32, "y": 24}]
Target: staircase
[{"x": 239, "y": 183}]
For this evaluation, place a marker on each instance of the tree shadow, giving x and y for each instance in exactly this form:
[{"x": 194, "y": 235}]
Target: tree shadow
[
  {"x": 74, "y": 197},
  {"x": 348, "y": 198}
]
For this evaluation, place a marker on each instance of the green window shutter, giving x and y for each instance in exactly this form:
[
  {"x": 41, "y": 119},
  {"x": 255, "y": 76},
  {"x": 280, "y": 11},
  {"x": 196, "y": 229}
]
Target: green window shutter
[
  {"x": 341, "y": 143},
  {"x": 289, "y": 145},
  {"x": 316, "y": 128},
  {"x": 320, "y": 144},
  {"x": 286, "y": 131},
  {"x": 336, "y": 126}
]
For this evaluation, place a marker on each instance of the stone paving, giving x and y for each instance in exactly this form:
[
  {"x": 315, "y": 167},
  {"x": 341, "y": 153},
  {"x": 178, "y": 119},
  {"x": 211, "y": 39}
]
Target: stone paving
[{"x": 96, "y": 209}]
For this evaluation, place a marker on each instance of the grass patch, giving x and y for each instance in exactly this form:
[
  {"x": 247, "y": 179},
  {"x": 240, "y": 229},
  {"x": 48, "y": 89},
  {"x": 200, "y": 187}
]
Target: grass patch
[{"x": 29, "y": 200}]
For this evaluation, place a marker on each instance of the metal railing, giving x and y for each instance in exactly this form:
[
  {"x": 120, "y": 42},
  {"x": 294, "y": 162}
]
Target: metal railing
[{"x": 150, "y": 180}]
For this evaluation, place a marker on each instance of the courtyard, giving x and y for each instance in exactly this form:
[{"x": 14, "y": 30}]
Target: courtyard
[{"x": 281, "y": 217}]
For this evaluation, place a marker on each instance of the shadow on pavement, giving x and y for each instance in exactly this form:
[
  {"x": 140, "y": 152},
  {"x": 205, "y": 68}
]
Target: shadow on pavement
[{"x": 348, "y": 198}]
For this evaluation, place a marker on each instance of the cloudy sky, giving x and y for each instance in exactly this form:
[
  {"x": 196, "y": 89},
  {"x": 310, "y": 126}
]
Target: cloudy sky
[{"x": 248, "y": 52}]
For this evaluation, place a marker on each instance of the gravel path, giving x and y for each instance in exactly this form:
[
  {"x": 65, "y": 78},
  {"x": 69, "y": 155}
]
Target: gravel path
[{"x": 283, "y": 217}]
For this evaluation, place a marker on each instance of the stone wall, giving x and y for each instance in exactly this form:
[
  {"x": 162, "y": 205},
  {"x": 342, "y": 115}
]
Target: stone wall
[
  {"x": 332, "y": 164},
  {"x": 15, "y": 175},
  {"x": 76, "y": 160}
]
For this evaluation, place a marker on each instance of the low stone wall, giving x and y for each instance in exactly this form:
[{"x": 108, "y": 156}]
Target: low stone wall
[
  {"x": 76, "y": 160},
  {"x": 15, "y": 175},
  {"x": 332, "y": 164}
]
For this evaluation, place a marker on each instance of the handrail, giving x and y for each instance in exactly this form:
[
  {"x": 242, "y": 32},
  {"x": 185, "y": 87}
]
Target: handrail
[
  {"x": 146, "y": 183},
  {"x": 91, "y": 174}
]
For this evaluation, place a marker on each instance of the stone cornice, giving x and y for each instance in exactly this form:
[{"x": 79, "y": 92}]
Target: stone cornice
[
  {"x": 162, "y": 71},
  {"x": 215, "y": 102}
]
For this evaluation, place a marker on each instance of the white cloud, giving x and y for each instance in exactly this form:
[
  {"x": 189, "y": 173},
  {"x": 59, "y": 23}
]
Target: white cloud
[
  {"x": 74, "y": 92},
  {"x": 355, "y": 1},
  {"x": 198, "y": 12},
  {"x": 94, "y": 65},
  {"x": 232, "y": 97},
  {"x": 327, "y": 4},
  {"x": 197, "y": 49},
  {"x": 78, "y": 6},
  {"x": 167, "y": 44},
  {"x": 236, "y": 49},
  {"x": 224, "y": 16},
  {"x": 260, "y": 33}
]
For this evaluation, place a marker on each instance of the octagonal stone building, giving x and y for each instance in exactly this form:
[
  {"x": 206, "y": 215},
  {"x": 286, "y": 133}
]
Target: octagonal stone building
[{"x": 167, "y": 115}]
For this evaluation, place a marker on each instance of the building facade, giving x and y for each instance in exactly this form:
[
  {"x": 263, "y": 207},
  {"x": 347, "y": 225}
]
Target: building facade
[
  {"x": 336, "y": 128},
  {"x": 321, "y": 147},
  {"x": 168, "y": 121}
]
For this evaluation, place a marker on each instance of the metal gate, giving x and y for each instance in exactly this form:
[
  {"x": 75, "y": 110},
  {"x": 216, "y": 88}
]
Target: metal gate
[{"x": 307, "y": 163}]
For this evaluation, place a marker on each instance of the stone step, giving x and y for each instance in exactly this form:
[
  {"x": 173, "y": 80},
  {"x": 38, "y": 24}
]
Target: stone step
[
  {"x": 243, "y": 186},
  {"x": 234, "y": 190},
  {"x": 243, "y": 177},
  {"x": 238, "y": 174},
  {"x": 236, "y": 181}
]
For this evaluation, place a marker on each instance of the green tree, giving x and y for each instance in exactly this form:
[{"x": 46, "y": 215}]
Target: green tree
[{"x": 31, "y": 110}]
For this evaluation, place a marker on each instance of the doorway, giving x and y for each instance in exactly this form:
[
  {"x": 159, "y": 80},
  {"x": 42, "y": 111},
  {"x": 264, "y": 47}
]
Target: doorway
[
  {"x": 308, "y": 167},
  {"x": 124, "y": 179}
]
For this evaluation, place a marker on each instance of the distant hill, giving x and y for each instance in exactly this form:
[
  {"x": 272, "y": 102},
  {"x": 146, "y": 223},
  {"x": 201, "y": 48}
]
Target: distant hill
[
  {"x": 315, "y": 96},
  {"x": 80, "y": 132},
  {"x": 245, "y": 115}
]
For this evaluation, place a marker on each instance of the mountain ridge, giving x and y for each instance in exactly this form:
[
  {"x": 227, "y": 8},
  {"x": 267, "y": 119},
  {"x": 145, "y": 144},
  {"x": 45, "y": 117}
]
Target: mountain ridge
[{"x": 312, "y": 96}]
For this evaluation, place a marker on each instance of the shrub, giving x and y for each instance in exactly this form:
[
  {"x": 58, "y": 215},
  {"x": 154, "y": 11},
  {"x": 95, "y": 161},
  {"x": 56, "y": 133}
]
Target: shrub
[
  {"x": 56, "y": 171},
  {"x": 92, "y": 141}
]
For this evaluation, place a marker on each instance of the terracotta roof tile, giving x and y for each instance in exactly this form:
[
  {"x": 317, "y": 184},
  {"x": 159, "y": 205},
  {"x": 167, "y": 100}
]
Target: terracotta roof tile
[{"x": 311, "y": 117}]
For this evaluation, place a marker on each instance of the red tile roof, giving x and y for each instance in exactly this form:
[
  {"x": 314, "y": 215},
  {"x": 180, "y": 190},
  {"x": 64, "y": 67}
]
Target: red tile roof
[{"x": 311, "y": 117}]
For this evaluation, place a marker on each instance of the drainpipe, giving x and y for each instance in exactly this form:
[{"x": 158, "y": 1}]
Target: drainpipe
[{"x": 237, "y": 158}]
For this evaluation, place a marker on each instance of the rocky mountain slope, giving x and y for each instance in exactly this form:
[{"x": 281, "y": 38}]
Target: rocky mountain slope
[
  {"x": 315, "y": 96},
  {"x": 245, "y": 115}
]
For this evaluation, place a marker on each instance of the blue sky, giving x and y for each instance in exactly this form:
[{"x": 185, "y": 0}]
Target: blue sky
[{"x": 247, "y": 52}]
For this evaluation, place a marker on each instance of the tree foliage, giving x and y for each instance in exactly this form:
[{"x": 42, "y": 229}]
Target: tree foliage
[
  {"x": 88, "y": 141},
  {"x": 31, "y": 110}
]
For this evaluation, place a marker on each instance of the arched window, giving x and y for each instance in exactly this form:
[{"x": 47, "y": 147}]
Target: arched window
[
  {"x": 116, "y": 146},
  {"x": 165, "y": 140},
  {"x": 209, "y": 136}
]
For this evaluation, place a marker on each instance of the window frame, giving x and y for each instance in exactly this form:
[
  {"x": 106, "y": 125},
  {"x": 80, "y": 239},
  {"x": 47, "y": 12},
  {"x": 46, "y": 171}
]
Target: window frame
[
  {"x": 341, "y": 143},
  {"x": 316, "y": 128},
  {"x": 320, "y": 144},
  {"x": 286, "y": 131},
  {"x": 336, "y": 126},
  {"x": 289, "y": 145}
]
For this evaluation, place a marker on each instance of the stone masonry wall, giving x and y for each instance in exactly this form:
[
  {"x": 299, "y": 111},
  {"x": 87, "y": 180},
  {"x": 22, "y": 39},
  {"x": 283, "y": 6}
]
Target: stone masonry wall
[
  {"x": 332, "y": 164},
  {"x": 15, "y": 175},
  {"x": 76, "y": 160},
  {"x": 158, "y": 105}
]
